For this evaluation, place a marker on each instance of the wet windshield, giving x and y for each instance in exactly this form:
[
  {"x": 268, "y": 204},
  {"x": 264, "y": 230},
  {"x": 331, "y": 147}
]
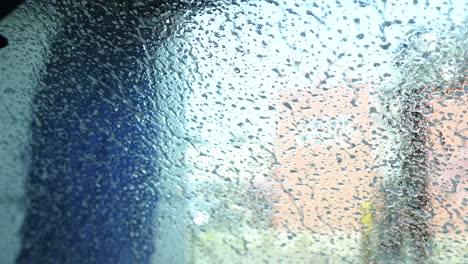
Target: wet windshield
[{"x": 233, "y": 132}]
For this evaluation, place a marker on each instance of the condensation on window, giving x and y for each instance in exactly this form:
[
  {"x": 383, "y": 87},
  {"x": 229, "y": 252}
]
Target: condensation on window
[{"x": 234, "y": 132}]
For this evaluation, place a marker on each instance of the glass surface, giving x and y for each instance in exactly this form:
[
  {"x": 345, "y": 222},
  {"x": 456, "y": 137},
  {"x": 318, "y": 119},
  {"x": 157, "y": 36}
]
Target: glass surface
[{"x": 234, "y": 132}]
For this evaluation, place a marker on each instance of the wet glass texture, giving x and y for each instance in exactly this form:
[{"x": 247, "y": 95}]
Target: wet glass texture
[{"x": 234, "y": 132}]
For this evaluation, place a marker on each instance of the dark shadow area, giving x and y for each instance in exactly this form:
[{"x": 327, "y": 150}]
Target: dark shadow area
[{"x": 92, "y": 185}]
